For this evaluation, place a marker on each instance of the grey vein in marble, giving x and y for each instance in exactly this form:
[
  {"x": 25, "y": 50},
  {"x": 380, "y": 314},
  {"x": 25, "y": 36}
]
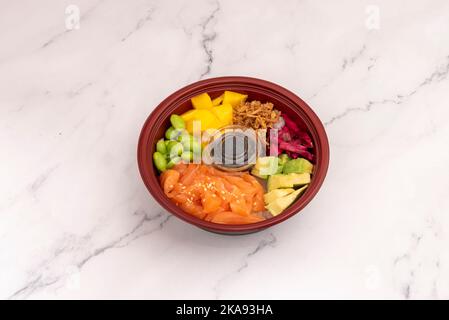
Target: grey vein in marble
[
  {"x": 142, "y": 21},
  {"x": 54, "y": 38},
  {"x": 59, "y": 35},
  {"x": 207, "y": 37},
  {"x": 406, "y": 288},
  {"x": 117, "y": 243},
  {"x": 41, "y": 179},
  {"x": 291, "y": 46},
  {"x": 438, "y": 75},
  {"x": 260, "y": 246},
  {"x": 79, "y": 90},
  {"x": 347, "y": 62},
  {"x": 351, "y": 60},
  {"x": 162, "y": 218},
  {"x": 270, "y": 241},
  {"x": 32, "y": 287},
  {"x": 372, "y": 63},
  {"x": 38, "y": 281},
  {"x": 406, "y": 260},
  {"x": 32, "y": 188}
]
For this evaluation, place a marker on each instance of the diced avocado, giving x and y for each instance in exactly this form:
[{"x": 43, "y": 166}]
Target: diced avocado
[
  {"x": 280, "y": 204},
  {"x": 266, "y": 162},
  {"x": 266, "y": 165},
  {"x": 287, "y": 180},
  {"x": 297, "y": 166},
  {"x": 256, "y": 172},
  {"x": 275, "y": 194},
  {"x": 283, "y": 158}
]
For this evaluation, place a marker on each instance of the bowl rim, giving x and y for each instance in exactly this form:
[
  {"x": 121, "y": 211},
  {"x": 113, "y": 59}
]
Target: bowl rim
[{"x": 161, "y": 111}]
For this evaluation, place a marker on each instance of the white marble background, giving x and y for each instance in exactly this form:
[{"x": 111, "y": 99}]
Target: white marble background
[{"x": 77, "y": 222}]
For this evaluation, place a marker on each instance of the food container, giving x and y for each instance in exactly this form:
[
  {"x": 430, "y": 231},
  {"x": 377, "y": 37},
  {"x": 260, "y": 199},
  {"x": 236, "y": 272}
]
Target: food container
[{"x": 256, "y": 89}]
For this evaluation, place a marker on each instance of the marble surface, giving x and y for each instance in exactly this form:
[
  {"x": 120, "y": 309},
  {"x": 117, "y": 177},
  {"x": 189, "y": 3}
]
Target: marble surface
[{"x": 77, "y": 222}]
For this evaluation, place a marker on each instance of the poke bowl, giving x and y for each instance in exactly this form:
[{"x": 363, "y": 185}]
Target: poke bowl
[{"x": 233, "y": 155}]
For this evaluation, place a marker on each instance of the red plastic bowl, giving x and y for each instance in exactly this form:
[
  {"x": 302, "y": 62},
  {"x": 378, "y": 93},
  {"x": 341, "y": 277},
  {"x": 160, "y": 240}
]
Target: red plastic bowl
[{"x": 256, "y": 89}]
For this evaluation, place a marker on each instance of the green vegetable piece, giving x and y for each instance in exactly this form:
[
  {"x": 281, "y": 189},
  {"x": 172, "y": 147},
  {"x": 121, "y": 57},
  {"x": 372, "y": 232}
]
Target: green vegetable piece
[
  {"x": 283, "y": 158},
  {"x": 173, "y": 134},
  {"x": 173, "y": 162},
  {"x": 161, "y": 147},
  {"x": 169, "y": 133},
  {"x": 256, "y": 172},
  {"x": 280, "y": 204},
  {"x": 299, "y": 165},
  {"x": 195, "y": 147},
  {"x": 174, "y": 149},
  {"x": 159, "y": 161},
  {"x": 170, "y": 145},
  {"x": 187, "y": 156},
  {"x": 189, "y": 143},
  {"x": 185, "y": 140},
  {"x": 280, "y": 169},
  {"x": 177, "y": 122},
  {"x": 266, "y": 166},
  {"x": 290, "y": 180},
  {"x": 276, "y": 194}
]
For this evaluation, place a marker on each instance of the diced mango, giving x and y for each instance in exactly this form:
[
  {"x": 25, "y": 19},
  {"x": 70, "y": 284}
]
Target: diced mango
[
  {"x": 189, "y": 115},
  {"x": 218, "y": 100},
  {"x": 223, "y": 113},
  {"x": 202, "y": 101},
  {"x": 233, "y": 98},
  {"x": 208, "y": 135},
  {"x": 206, "y": 117}
]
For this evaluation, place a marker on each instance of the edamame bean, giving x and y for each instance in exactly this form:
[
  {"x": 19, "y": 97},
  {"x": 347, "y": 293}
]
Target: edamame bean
[
  {"x": 170, "y": 145},
  {"x": 181, "y": 132},
  {"x": 187, "y": 156},
  {"x": 196, "y": 147},
  {"x": 159, "y": 161},
  {"x": 174, "y": 149},
  {"x": 173, "y": 162},
  {"x": 186, "y": 141},
  {"x": 184, "y": 135},
  {"x": 173, "y": 134},
  {"x": 161, "y": 147},
  {"x": 190, "y": 143},
  {"x": 177, "y": 121},
  {"x": 169, "y": 133}
]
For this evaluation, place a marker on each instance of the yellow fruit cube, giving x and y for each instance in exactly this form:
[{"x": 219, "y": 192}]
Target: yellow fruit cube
[
  {"x": 223, "y": 113},
  {"x": 218, "y": 100},
  {"x": 202, "y": 101},
  {"x": 207, "y": 119},
  {"x": 208, "y": 135},
  {"x": 189, "y": 115},
  {"x": 233, "y": 98}
]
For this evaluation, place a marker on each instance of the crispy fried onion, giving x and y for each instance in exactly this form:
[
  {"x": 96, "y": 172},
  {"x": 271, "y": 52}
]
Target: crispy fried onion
[{"x": 255, "y": 115}]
